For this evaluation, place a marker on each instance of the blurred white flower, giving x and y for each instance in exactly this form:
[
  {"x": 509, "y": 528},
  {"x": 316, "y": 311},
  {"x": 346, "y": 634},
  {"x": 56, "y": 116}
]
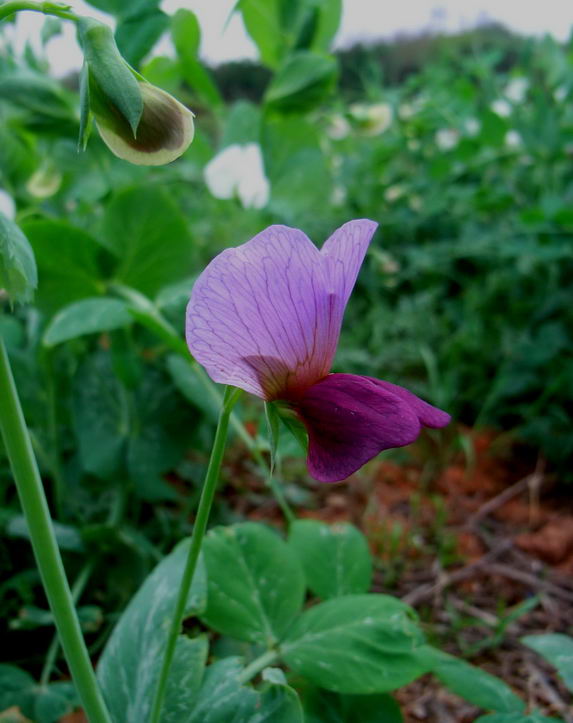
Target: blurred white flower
[
  {"x": 447, "y": 138},
  {"x": 560, "y": 93},
  {"x": 7, "y": 205},
  {"x": 415, "y": 203},
  {"x": 338, "y": 128},
  {"x": 501, "y": 107},
  {"x": 516, "y": 89},
  {"x": 372, "y": 119},
  {"x": 44, "y": 182},
  {"x": 393, "y": 193},
  {"x": 338, "y": 196},
  {"x": 513, "y": 139},
  {"x": 472, "y": 127},
  {"x": 239, "y": 171}
]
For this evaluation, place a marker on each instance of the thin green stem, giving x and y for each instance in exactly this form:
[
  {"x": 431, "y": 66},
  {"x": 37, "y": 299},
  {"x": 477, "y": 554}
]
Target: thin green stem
[
  {"x": 33, "y": 500},
  {"x": 263, "y": 661},
  {"x": 77, "y": 589},
  {"x": 199, "y": 528},
  {"x": 58, "y": 10}
]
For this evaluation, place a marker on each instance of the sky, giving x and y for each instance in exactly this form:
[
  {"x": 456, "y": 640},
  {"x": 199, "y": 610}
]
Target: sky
[{"x": 362, "y": 20}]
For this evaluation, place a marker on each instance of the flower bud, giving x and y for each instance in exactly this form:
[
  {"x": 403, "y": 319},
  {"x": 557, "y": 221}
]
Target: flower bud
[{"x": 139, "y": 122}]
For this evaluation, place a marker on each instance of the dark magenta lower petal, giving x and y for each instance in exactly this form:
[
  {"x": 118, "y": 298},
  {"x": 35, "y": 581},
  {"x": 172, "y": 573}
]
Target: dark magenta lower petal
[{"x": 350, "y": 419}]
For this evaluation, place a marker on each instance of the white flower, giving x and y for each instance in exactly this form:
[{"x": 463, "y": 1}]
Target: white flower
[
  {"x": 45, "y": 182},
  {"x": 338, "y": 128},
  {"x": 446, "y": 138},
  {"x": 7, "y": 205},
  {"x": 501, "y": 107},
  {"x": 393, "y": 193},
  {"x": 516, "y": 89},
  {"x": 560, "y": 93},
  {"x": 472, "y": 127},
  {"x": 372, "y": 119},
  {"x": 239, "y": 171},
  {"x": 513, "y": 139},
  {"x": 338, "y": 196}
]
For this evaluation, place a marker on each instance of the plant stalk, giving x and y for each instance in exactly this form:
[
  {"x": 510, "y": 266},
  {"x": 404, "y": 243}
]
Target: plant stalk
[
  {"x": 33, "y": 500},
  {"x": 58, "y": 10},
  {"x": 199, "y": 528}
]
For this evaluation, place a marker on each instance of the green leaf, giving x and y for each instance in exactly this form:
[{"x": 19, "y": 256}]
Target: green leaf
[
  {"x": 222, "y": 698},
  {"x": 263, "y": 23},
  {"x": 557, "y": 649},
  {"x": 85, "y": 117},
  {"x": 303, "y": 82},
  {"x": 144, "y": 227},
  {"x": 186, "y": 34},
  {"x": 13, "y": 681},
  {"x": 101, "y": 416},
  {"x": 185, "y": 678},
  {"x": 185, "y": 376},
  {"x": 329, "y": 16},
  {"x": 360, "y": 644},
  {"x": 68, "y": 263},
  {"x": 243, "y": 124},
  {"x": 42, "y": 703},
  {"x": 137, "y": 33},
  {"x": 130, "y": 663},
  {"x": 321, "y": 706},
  {"x": 88, "y": 316},
  {"x": 37, "y": 94},
  {"x": 335, "y": 558},
  {"x": 279, "y": 703},
  {"x": 256, "y": 585},
  {"x": 18, "y": 273},
  {"x": 112, "y": 75},
  {"x": 473, "y": 684},
  {"x": 67, "y": 536}
]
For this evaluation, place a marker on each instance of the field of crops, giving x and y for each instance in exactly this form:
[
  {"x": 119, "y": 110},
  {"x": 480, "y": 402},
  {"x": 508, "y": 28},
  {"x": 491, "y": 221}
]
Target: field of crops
[{"x": 435, "y": 582}]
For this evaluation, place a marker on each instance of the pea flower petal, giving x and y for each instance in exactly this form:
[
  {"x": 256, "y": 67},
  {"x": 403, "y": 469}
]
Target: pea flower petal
[{"x": 266, "y": 316}]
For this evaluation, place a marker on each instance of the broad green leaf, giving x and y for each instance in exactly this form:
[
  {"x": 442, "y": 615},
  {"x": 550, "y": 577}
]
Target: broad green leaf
[
  {"x": 222, "y": 698},
  {"x": 256, "y": 585},
  {"x": 67, "y": 536},
  {"x": 335, "y": 558},
  {"x": 185, "y": 678},
  {"x": 13, "y": 681},
  {"x": 360, "y": 644},
  {"x": 263, "y": 23},
  {"x": 130, "y": 663},
  {"x": 18, "y": 273},
  {"x": 186, "y": 34},
  {"x": 88, "y": 316},
  {"x": 329, "y": 16},
  {"x": 148, "y": 233},
  {"x": 137, "y": 33},
  {"x": 302, "y": 82},
  {"x": 321, "y": 706},
  {"x": 37, "y": 94},
  {"x": 557, "y": 649},
  {"x": 68, "y": 263},
  {"x": 473, "y": 684}
]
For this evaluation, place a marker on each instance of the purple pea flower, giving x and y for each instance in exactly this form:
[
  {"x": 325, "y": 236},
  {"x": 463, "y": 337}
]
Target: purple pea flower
[{"x": 266, "y": 317}]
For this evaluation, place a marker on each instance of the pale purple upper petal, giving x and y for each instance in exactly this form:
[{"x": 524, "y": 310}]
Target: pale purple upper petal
[
  {"x": 350, "y": 419},
  {"x": 260, "y": 316},
  {"x": 346, "y": 249}
]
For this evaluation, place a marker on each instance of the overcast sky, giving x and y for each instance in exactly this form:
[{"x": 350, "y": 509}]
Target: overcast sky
[{"x": 362, "y": 20}]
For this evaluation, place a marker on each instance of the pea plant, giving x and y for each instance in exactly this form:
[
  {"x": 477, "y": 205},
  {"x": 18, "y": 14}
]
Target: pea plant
[{"x": 105, "y": 282}]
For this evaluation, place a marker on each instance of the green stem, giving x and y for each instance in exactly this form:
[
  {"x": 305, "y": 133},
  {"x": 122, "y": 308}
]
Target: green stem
[
  {"x": 263, "y": 661},
  {"x": 199, "y": 528},
  {"x": 33, "y": 500},
  {"x": 77, "y": 589},
  {"x": 58, "y": 10}
]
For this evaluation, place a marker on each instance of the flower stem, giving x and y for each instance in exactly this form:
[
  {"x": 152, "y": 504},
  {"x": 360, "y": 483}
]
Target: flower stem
[
  {"x": 33, "y": 500},
  {"x": 58, "y": 10},
  {"x": 199, "y": 528}
]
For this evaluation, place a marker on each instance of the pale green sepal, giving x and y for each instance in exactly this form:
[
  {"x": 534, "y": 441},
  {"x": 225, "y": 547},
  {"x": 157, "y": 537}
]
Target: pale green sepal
[
  {"x": 110, "y": 71},
  {"x": 273, "y": 425}
]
